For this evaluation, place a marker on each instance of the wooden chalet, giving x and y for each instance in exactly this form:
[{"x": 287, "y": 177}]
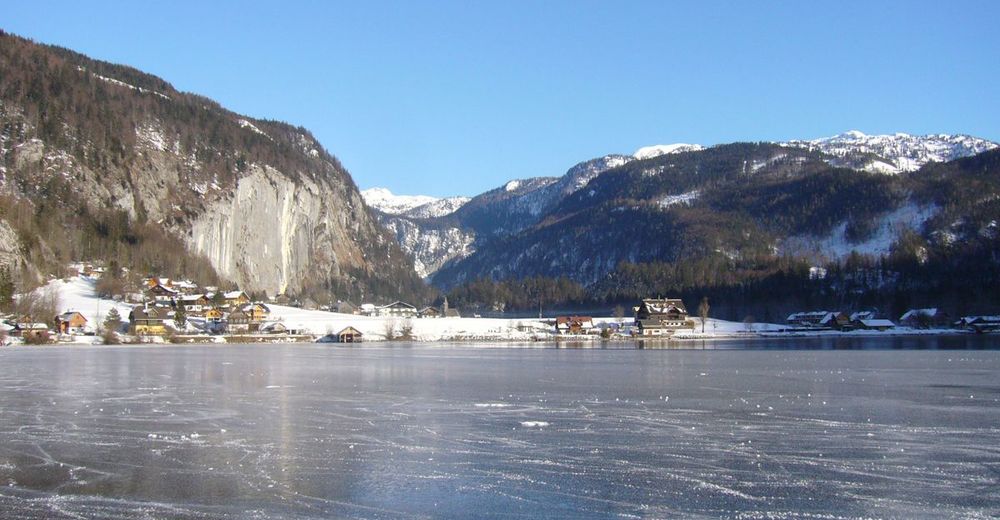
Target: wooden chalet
[
  {"x": 349, "y": 335},
  {"x": 258, "y": 312},
  {"x": 820, "y": 319},
  {"x": 237, "y": 321},
  {"x": 162, "y": 293},
  {"x": 429, "y": 312},
  {"x": 30, "y": 330},
  {"x": 274, "y": 328},
  {"x": 148, "y": 321},
  {"x": 193, "y": 304},
  {"x": 574, "y": 324},
  {"x": 661, "y": 316},
  {"x": 397, "y": 309},
  {"x": 874, "y": 324},
  {"x": 979, "y": 324},
  {"x": 236, "y": 299},
  {"x": 71, "y": 322},
  {"x": 213, "y": 314}
]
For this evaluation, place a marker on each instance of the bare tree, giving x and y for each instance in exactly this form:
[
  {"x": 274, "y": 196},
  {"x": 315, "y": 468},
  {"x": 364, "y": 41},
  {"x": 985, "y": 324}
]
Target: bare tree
[
  {"x": 406, "y": 330},
  {"x": 389, "y": 330},
  {"x": 703, "y": 312}
]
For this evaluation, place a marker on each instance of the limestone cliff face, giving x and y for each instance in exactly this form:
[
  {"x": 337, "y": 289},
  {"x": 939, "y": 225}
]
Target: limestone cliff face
[{"x": 272, "y": 234}]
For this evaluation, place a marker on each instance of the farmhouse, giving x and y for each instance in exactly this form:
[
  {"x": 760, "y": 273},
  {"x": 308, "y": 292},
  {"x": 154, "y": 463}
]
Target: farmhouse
[
  {"x": 397, "y": 310},
  {"x": 148, "y": 321},
  {"x": 659, "y": 316},
  {"x": 71, "y": 322},
  {"x": 574, "y": 324}
]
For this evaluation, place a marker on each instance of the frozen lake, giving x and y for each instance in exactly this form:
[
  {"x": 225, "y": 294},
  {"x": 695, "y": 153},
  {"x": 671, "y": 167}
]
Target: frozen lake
[{"x": 318, "y": 431}]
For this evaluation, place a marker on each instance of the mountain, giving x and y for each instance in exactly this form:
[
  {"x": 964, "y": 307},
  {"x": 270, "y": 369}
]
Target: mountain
[
  {"x": 895, "y": 153},
  {"x": 494, "y": 220},
  {"x": 104, "y": 162}
]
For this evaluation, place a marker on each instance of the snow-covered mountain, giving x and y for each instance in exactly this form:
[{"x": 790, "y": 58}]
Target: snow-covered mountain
[
  {"x": 656, "y": 150},
  {"x": 896, "y": 153},
  {"x": 413, "y": 206},
  {"x": 385, "y": 201}
]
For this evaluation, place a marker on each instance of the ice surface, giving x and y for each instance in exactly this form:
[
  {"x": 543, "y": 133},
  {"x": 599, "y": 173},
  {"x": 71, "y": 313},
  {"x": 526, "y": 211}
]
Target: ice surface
[{"x": 309, "y": 431}]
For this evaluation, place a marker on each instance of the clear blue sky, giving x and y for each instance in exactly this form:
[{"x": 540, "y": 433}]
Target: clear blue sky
[{"x": 449, "y": 98}]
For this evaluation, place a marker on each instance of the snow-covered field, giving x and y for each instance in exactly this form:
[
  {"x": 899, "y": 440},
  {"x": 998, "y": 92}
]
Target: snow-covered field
[{"x": 77, "y": 294}]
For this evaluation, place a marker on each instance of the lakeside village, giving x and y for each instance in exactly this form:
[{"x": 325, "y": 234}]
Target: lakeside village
[{"x": 169, "y": 311}]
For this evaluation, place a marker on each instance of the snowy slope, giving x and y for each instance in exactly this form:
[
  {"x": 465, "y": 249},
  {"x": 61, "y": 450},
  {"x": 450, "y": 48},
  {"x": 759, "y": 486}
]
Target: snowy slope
[
  {"x": 385, "y": 201},
  {"x": 656, "y": 150},
  {"x": 437, "y": 208},
  {"x": 894, "y": 153}
]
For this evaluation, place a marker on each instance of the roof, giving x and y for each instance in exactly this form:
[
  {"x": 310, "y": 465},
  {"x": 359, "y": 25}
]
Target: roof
[
  {"x": 398, "y": 305},
  {"x": 32, "y": 326},
  {"x": 980, "y": 319},
  {"x": 877, "y": 323},
  {"x": 232, "y": 295},
  {"x": 248, "y": 307},
  {"x": 192, "y": 297},
  {"x": 663, "y": 305},
  {"x": 863, "y": 315},
  {"x": 142, "y": 312},
  {"x": 163, "y": 288},
  {"x": 68, "y": 315},
  {"x": 807, "y": 314},
  {"x": 349, "y": 330}
]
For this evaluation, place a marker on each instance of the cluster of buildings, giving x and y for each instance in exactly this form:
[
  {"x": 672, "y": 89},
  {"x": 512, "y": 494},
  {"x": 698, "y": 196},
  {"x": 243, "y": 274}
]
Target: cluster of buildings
[
  {"x": 230, "y": 312},
  {"x": 654, "y": 317},
  {"x": 914, "y": 318}
]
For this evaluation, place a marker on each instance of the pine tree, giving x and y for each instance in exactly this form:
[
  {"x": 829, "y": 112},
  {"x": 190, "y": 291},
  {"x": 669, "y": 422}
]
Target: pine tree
[{"x": 112, "y": 321}]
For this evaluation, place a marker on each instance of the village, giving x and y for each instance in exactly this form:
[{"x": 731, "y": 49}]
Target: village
[{"x": 180, "y": 311}]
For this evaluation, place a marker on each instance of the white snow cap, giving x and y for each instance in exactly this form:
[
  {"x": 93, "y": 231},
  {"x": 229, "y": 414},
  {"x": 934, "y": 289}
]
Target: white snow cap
[{"x": 648, "y": 152}]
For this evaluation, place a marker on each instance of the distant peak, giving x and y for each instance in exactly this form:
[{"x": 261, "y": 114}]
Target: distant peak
[{"x": 656, "y": 150}]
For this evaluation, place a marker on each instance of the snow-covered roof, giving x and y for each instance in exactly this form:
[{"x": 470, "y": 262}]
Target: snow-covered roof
[
  {"x": 663, "y": 305},
  {"x": 398, "y": 305},
  {"x": 232, "y": 295},
  {"x": 875, "y": 323}
]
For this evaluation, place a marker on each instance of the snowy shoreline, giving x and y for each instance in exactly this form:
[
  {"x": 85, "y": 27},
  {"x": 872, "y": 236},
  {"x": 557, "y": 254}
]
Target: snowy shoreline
[{"x": 77, "y": 293}]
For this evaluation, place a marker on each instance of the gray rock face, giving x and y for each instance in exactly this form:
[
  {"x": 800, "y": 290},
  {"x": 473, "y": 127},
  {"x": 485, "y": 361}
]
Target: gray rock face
[
  {"x": 271, "y": 232},
  {"x": 10, "y": 246}
]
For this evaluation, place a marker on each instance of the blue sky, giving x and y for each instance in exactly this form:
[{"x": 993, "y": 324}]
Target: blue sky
[{"x": 453, "y": 98}]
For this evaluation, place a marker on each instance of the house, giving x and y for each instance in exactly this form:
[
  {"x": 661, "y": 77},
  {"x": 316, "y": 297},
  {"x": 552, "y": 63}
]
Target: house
[
  {"x": 148, "y": 321},
  {"x": 71, "y": 322},
  {"x": 185, "y": 286},
  {"x": 924, "y": 318},
  {"x": 237, "y": 321},
  {"x": 235, "y": 299},
  {"x": 874, "y": 324},
  {"x": 429, "y": 312},
  {"x": 368, "y": 309},
  {"x": 862, "y": 315},
  {"x": 397, "y": 309},
  {"x": 274, "y": 328},
  {"x": 574, "y": 324},
  {"x": 30, "y": 330},
  {"x": 153, "y": 281},
  {"x": 661, "y": 316},
  {"x": 979, "y": 324},
  {"x": 258, "y": 312},
  {"x": 213, "y": 314},
  {"x": 162, "y": 293},
  {"x": 349, "y": 335},
  {"x": 193, "y": 304},
  {"x": 820, "y": 319}
]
